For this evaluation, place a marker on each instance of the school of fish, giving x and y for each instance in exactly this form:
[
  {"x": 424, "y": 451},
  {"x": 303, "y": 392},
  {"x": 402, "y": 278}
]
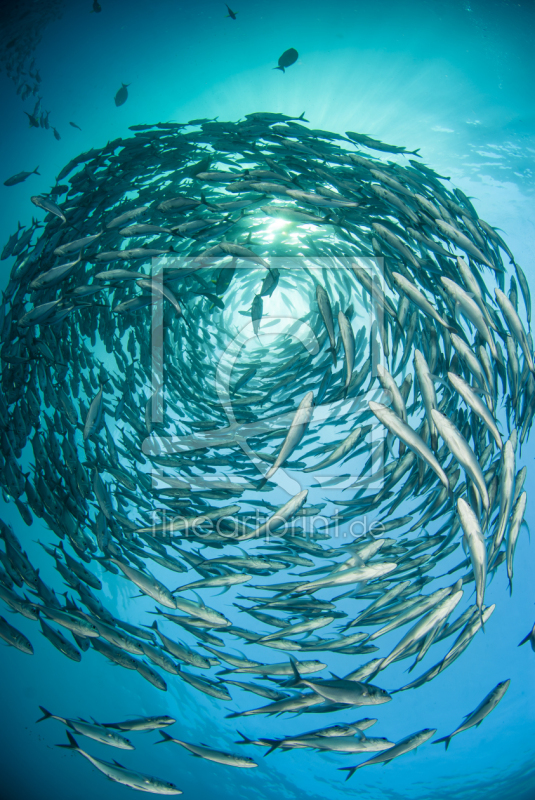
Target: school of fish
[{"x": 156, "y": 459}]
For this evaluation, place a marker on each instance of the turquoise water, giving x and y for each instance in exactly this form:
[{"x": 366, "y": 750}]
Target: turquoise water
[{"x": 452, "y": 79}]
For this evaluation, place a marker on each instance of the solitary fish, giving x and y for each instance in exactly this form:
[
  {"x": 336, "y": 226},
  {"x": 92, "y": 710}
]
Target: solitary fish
[
  {"x": 20, "y": 177},
  {"x": 483, "y": 710},
  {"x": 288, "y": 58},
  {"x": 122, "y": 95},
  {"x": 231, "y": 13}
]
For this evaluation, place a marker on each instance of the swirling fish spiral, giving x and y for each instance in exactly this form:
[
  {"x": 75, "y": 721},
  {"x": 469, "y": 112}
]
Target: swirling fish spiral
[{"x": 256, "y": 360}]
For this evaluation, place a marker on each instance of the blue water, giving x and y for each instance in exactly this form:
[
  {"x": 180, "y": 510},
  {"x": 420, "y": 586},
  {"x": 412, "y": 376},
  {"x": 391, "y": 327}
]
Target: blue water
[{"x": 454, "y": 79}]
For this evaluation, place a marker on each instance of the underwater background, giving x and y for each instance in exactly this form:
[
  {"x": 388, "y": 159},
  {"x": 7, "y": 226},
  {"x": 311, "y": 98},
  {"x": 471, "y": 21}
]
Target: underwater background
[{"x": 454, "y": 79}]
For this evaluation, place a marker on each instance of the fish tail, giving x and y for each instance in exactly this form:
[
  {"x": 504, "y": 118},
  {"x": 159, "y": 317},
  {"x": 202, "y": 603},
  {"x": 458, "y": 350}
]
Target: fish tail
[
  {"x": 73, "y": 745},
  {"x": 525, "y": 639},
  {"x": 244, "y": 739},
  {"x": 445, "y": 739},
  {"x": 281, "y": 68},
  {"x": 35, "y": 172},
  {"x": 46, "y": 714},
  {"x": 303, "y": 117},
  {"x": 166, "y": 737},
  {"x": 332, "y": 351},
  {"x": 350, "y": 771},
  {"x": 274, "y": 743}
]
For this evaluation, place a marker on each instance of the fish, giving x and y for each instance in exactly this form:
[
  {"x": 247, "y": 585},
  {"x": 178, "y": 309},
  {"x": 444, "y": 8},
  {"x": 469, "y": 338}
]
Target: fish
[
  {"x": 79, "y": 625},
  {"x": 288, "y": 58},
  {"x": 507, "y": 480},
  {"x": 425, "y": 626},
  {"x": 408, "y": 437},
  {"x": 119, "y": 774},
  {"x": 92, "y": 730},
  {"x": 60, "y": 642},
  {"x": 345, "y": 447},
  {"x": 14, "y": 637},
  {"x": 47, "y": 205},
  {"x": 338, "y": 690},
  {"x": 487, "y": 705},
  {"x": 147, "y": 584},
  {"x": 297, "y": 430},
  {"x": 121, "y": 96},
  {"x": 340, "y": 744},
  {"x": 517, "y": 518},
  {"x": 348, "y": 341},
  {"x": 324, "y": 306},
  {"x": 208, "y": 753},
  {"x": 400, "y": 748},
  {"x": 476, "y": 404},
  {"x": 256, "y": 312},
  {"x": 74, "y": 125},
  {"x": 20, "y": 177},
  {"x": 141, "y": 723},
  {"x": 231, "y": 14},
  {"x": 461, "y": 450},
  {"x": 515, "y": 326},
  {"x": 350, "y": 575}
]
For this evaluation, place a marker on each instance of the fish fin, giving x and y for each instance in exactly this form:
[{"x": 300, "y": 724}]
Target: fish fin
[
  {"x": 303, "y": 117},
  {"x": 296, "y": 676},
  {"x": 35, "y": 172},
  {"x": 281, "y": 68},
  {"x": 118, "y": 765},
  {"x": 524, "y": 640},
  {"x": 73, "y": 745},
  {"x": 199, "y": 598},
  {"x": 46, "y": 714}
]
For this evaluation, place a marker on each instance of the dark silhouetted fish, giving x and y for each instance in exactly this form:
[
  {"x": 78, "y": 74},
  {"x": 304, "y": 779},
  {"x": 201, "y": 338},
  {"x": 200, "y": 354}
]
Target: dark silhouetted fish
[
  {"x": 288, "y": 58},
  {"x": 122, "y": 95}
]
